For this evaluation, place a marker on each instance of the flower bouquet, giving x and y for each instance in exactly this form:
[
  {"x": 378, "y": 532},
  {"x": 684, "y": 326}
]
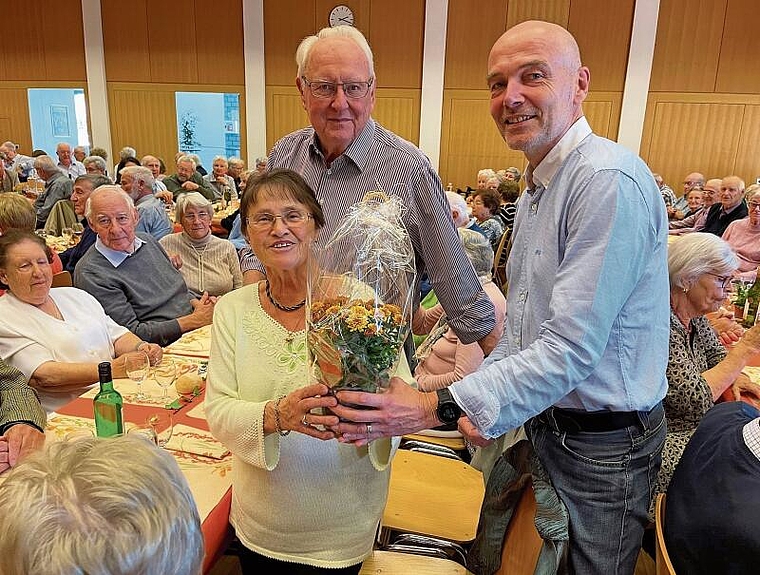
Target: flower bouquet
[{"x": 360, "y": 296}]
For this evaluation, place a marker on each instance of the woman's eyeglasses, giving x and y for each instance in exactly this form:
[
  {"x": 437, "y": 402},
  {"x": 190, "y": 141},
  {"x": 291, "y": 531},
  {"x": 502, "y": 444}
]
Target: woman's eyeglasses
[
  {"x": 291, "y": 218},
  {"x": 722, "y": 281}
]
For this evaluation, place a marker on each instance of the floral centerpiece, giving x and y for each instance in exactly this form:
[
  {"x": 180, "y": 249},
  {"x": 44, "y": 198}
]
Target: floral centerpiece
[{"x": 359, "y": 298}]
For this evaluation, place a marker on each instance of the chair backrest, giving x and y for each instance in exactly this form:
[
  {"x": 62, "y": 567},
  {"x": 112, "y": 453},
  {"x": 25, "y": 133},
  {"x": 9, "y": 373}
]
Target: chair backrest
[
  {"x": 664, "y": 566},
  {"x": 391, "y": 562},
  {"x": 62, "y": 279},
  {"x": 522, "y": 543},
  {"x": 61, "y": 216},
  {"x": 500, "y": 259}
]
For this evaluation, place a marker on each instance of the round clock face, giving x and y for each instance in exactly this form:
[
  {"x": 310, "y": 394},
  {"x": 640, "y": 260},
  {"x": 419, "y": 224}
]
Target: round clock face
[{"x": 341, "y": 15}]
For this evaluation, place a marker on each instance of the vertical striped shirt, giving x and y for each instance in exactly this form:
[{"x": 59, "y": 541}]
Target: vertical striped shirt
[{"x": 379, "y": 160}]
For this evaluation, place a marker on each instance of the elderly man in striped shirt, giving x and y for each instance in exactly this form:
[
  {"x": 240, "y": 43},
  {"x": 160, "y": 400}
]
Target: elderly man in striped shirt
[{"x": 345, "y": 153}]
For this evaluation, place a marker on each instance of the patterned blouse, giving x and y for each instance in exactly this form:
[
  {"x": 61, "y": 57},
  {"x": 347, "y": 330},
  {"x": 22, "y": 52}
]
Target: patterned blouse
[{"x": 689, "y": 396}]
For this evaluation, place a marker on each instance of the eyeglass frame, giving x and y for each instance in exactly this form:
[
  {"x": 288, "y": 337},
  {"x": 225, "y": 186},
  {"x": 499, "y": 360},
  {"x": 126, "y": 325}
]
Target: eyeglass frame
[
  {"x": 753, "y": 205},
  {"x": 725, "y": 281},
  {"x": 197, "y": 216},
  {"x": 335, "y": 85},
  {"x": 290, "y": 225}
]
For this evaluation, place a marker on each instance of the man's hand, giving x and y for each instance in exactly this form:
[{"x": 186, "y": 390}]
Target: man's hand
[
  {"x": 22, "y": 439},
  {"x": 203, "y": 309},
  {"x": 399, "y": 410},
  {"x": 4, "y": 464},
  {"x": 489, "y": 342},
  {"x": 190, "y": 186},
  {"x": 165, "y": 196},
  {"x": 471, "y": 432}
]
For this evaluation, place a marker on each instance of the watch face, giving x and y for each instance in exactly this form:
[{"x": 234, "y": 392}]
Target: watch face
[
  {"x": 341, "y": 15},
  {"x": 448, "y": 413}
]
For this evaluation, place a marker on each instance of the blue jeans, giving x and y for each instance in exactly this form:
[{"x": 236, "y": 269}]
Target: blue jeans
[{"x": 606, "y": 481}]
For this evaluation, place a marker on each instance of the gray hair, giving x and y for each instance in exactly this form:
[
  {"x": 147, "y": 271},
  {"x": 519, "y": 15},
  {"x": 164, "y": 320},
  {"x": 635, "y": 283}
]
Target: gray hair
[
  {"x": 99, "y": 162},
  {"x": 187, "y": 158},
  {"x": 262, "y": 160},
  {"x": 119, "y": 506},
  {"x": 196, "y": 158},
  {"x": 45, "y": 163},
  {"x": 751, "y": 191},
  {"x": 694, "y": 255},
  {"x": 191, "y": 199},
  {"x": 235, "y": 160},
  {"x": 103, "y": 189},
  {"x": 220, "y": 158},
  {"x": 487, "y": 172},
  {"x": 95, "y": 180},
  {"x": 304, "y": 48},
  {"x": 140, "y": 174},
  {"x": 479, "y": 250},
  {"x": 515, "y": 172},
  {"x": 127, "y": 152},
  {"x": 458, "y": 203}
]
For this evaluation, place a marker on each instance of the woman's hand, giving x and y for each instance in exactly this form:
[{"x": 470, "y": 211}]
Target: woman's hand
[
  {"x": 176, "y": 260},
  {"x": 744, "y": 387},
  {"x": 751, "y": 339},
  {"x": 293, "y": 412}
]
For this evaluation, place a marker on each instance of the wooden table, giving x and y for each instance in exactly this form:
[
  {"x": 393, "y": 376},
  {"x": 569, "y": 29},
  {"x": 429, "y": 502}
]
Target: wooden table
[{"x": 435, "y": 496}]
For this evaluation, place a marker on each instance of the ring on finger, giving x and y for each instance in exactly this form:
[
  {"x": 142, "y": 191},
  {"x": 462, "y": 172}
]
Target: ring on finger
[
  {"x": 369, "y": 429},
  {"x": 304, "y": 422}
]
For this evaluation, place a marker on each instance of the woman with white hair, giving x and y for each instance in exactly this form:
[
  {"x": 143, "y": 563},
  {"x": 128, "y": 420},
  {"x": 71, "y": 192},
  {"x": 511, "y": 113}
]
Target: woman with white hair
[
  {"x": 699, "y": 368},
  {"x": 443, "y": 359},
  {"x": 744, "y": 235},
  {"x": 223, "y": 185},
  {"x": 207, "y": 263},
  {"x": 483, "y": 176}
]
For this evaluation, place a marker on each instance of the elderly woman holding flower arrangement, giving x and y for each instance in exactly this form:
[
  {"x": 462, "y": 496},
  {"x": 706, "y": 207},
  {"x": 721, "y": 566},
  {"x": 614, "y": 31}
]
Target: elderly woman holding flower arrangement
[
  {"x": 207, "y": 263},
  {"x": 301, "y": 503}
]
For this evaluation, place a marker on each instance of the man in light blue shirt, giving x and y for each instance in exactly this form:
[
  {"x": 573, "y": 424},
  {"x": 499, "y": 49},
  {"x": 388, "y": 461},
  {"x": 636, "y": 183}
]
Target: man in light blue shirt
[
  {"x": 137, "y": 181},
  {"x": 582, "y": 360}
]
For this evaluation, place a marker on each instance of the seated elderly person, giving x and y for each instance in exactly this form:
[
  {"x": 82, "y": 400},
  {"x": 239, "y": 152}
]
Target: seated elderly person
[
  {"x": 133, "y": 278},
  {"x": 15, "y": 162},
  {"x": 730, "y": 208},
  {"x": 443, "y": 359},
  {"x": 16, "y": 213},
  {"x": 57, "y": 187},
  {"x": 744, "y": 235},
  {"x": 124, "y": 163},
  {"x": 235, "y": 169},
  {"x": 222, "y": 184},
  {"x": 187, "y": 179},
  {"x": 95, "y": 165},
  {"x": 154, "y": 165},
  {"x": 460, "y": 214},
  {"x": 699, "y": 368},
  {"x": 696, "y": 221},
  {"x": 69, "y": 166},
  {"x": 56, "y": 337},
  {"x": 119, "y": 506},
  {"x": 712, "y": 504},
  {"x": 509, "y": 191},
  {"x": 8, "y": 179},
  {"x": 22, "y": 420},
  {"x": 208, "y": 264},
  {"x": 137, "y": 181},
  {"x": 483, "y": 176},
  {"x": 485, "y": 206},
  {"x": 83, "y": 187}
]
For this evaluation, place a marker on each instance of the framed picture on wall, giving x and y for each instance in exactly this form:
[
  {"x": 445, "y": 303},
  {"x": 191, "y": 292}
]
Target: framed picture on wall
[{"x": 59, "y": 121}]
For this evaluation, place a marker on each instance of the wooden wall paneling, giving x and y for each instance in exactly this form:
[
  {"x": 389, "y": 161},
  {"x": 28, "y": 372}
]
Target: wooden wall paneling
[
  {"x": 285, "y": 112},
  {"x": 687, "y": 48},
  {"x": 603, "y": 33},
  {"x": 396, "y": 32},
  {"x": 685, "y": 135},
  {"x": 747, "y": 164},
  {"x": 219, "y": 39},
  {"x": 14, "y": 117},
  {"x": 172, "y": 42},
  {"x": 23, "y": 45},
  {"x": 739, "y": 66},
  {"x": 473, "y": 28},
  {"x": 470, "y": 140},
  {"x": 602, "y": 110},
  {"x": 125, "y": 41},
  {"x": 557, "y": 11},
  {"x": 63, "y": 41},
  {"x": 399, "y": 111},
  {"x": 286, "y": 23}
]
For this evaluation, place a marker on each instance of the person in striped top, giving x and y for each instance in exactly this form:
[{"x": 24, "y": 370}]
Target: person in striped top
[
  {"x": 345, "y": 154},
  {"x": 21, "y": 417}
]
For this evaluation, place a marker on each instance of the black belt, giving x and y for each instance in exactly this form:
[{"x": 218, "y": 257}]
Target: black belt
[{"x": 570, "y": 421}]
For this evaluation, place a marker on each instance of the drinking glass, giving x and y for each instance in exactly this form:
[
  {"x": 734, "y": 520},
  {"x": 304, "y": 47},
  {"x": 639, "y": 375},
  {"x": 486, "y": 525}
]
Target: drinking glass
[
  {"x": 145, "y": 431},
  {"x": 165, "y": 374},
  {"x": 68, "y": 235},
  {"x": 78, "y": 229},
  {"x": 138, "y": 365},
  {"x": 163, "y": 425}
]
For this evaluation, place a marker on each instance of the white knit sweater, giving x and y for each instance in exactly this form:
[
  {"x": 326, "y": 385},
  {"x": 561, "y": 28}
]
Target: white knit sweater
[{"x": 295, "y": 498}]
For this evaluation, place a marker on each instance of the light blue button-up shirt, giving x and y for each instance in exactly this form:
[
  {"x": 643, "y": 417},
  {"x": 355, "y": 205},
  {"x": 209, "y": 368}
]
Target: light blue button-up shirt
[{"x": 588, "y": 302}]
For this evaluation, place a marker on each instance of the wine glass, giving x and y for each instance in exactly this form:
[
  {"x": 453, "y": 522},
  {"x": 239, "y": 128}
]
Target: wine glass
[
  {"x": 163, "y": 426},
  {"x": 165, "y": 374},
  {"x": 78, "y": 229},
  {"x": 145, "y": 431},
  {"x": 138, "y": 365},
  {"x": 68, "y": 235}
]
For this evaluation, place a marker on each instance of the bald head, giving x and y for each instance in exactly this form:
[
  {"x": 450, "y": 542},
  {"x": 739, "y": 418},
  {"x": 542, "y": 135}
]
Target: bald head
[
  {"x": 693, "y": 180},
  {"x": 537, "y": 86},
  {"x": 731, "y": 192}
]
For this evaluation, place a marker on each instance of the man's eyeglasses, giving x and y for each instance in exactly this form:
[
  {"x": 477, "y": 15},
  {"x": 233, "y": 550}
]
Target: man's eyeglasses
[
  {"x": 291, "y": 218},
  {"x": 353, "y": 90},
  {"x": 722, "y": 281}
]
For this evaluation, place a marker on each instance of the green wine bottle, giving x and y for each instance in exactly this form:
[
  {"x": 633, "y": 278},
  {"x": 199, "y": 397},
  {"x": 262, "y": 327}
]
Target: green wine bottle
[
  {"x": 107, "y": 404},
  {"x": 752, "y": 303}
]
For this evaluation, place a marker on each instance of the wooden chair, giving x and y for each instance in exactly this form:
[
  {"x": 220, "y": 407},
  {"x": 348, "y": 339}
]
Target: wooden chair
[
  {"x": 62, "y": 279},
  {"x": 390, "y": 563},
  {"x": 500, "y": 260},
  {"x": 664, "y": 565},
  {"x": 522, "y": 543}
]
